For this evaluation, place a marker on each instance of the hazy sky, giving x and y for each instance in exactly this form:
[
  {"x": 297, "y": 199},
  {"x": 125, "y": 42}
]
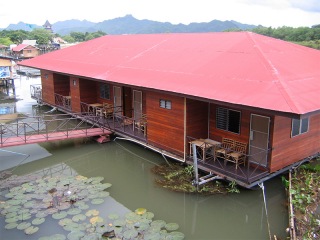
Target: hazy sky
[{"x": 273, "y": 13}]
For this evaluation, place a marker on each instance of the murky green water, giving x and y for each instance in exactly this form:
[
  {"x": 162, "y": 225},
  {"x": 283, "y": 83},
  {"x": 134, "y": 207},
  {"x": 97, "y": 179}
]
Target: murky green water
[{"x": 127, "y": 166}]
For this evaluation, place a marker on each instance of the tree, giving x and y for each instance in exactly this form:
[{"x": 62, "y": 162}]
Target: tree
[
  {"x": 41, "y": 35},
  {"x": 78, "y": 36},
  {"x": 5, "y": 41},
  {"x": 69, "y": 39}
]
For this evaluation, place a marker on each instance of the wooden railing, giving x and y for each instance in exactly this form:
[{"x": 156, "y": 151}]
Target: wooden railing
[{"x": 62, "y": 101}]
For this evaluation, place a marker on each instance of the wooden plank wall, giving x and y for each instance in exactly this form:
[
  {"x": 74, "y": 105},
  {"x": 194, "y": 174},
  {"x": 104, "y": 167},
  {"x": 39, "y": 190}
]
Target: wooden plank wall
[
  {"x": 287, "y": 150},
  {"x": 88, "y": 91},
  {"x": 47, "y": 83},
  {"x": 165, "y": 126},
  {"x": 61, "y": 84},
  {"x": 197, "y": 119}
]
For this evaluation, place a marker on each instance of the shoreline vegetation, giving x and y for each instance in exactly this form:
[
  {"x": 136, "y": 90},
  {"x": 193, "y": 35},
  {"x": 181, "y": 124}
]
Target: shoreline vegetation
[{"x": 304, "y": 197}]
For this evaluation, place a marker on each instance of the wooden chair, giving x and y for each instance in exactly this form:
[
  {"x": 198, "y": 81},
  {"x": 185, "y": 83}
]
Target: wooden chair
[
  {"x": 238, "y": 154},
  {"x": 141, "y": 124},
  {"x": 225, "y": 147},
  {"x": 106, "y": 110}
]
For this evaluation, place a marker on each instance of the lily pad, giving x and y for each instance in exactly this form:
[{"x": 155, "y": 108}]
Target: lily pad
[
  {"x": 159, "y": 223},
  {"x": 31, "y": 230},
  {"x": 171, "y": 226},
  {"x": 65, "y": 221},
  {"x": 38, "y": 221},
  {"x": 11, "y": 225},
  {"x": 176, "y": 235},
  {"x": 12, "y": 214},
  {"x": 130, "y": 234},
  {"x": 41, "y": 214},
  {"x": 79, "y": 217},
  {"x": 24, "y": 216},
  {"x": 23, "y": 225},
  {"x": 96, "y": 219},
  {"x": 92, "y": 212},
  {"x": 74, "y": 211},
  {"x": 75, "y": 235},
  {"x": 148, "y": 215},
  {"x": 59, "y": 215},
  {"x": 140, "y": 211}
]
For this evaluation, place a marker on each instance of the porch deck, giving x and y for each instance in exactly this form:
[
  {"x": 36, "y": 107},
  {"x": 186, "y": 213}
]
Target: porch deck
[{"x": 244, "y": 175}]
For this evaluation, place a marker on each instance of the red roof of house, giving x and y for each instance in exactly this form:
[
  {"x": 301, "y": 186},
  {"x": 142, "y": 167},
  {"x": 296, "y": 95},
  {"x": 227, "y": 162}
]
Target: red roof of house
[
  {"x": 235, "y": 67},
  {"x": 20, "y": 47}
]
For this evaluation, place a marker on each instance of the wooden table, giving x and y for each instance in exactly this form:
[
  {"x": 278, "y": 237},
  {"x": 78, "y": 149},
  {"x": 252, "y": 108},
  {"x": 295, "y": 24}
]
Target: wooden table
[
  {"x": 93, "y": 107},
  {"x": 205, "y": 145}
]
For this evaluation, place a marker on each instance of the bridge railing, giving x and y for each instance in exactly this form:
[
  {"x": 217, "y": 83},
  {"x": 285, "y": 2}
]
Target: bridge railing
[{"x": 23, "y": 129}]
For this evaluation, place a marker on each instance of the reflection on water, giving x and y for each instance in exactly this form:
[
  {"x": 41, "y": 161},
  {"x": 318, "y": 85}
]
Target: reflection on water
[{"x": 127, "y": 166}]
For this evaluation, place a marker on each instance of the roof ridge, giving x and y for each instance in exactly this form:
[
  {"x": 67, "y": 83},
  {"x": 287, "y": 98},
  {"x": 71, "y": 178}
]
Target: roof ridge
[{"x": 274, "y": 71}]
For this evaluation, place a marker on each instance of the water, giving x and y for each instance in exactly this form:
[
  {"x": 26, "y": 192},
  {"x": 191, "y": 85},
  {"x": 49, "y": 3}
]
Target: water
[{"x": 127, "y": 166}]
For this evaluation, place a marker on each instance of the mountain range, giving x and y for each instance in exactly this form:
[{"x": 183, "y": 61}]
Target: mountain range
[{"x": 130, "y": 25}]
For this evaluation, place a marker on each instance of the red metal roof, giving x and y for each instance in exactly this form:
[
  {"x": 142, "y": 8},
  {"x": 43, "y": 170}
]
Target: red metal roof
[
  {"x": 19, "y": 47},
  {"x": 235, "y": 67}
]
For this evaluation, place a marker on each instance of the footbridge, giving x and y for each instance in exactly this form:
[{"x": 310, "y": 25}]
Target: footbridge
[{"x": 27, "y": 130}]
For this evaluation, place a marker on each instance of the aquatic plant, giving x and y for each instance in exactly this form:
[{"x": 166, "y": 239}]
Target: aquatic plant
[{"x": 65, "y": 198}]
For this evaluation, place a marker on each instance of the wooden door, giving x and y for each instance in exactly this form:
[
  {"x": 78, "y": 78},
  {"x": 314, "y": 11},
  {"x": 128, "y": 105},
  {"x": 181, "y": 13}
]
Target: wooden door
[
  {"x": 259, "y": 139},
  {"x": 117, "y": 102},
  {"x": 137, "y": 104}
]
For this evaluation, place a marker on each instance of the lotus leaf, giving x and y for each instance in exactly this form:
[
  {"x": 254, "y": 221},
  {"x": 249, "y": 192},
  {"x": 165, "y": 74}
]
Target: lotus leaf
[
  {"x": 140, "y": 211},
  {"x": 72, "y": 227},
  {"x": 75, "y": 235},
  {"x": 12, "y": 219},
  {"x": 176, "y": 235},
  {"x": 10, "y": 195},
  {"x": 97, "y": 179},
  {"x": 74, "y": 211},
  {"x": 5, "y": 211},
  {"x": 160, "y": 223},
  {"x": 31, "y": 230},
  {"x": 29, "y": 204},
  {"x": 24, "y": 211},
  {"x": 171, "y": 226},
  {"x": 143, "y": 226},
  {"x": 34, "y": 211},
  {"x": 41, "y": 214},
  {"x": 51, "y": 210},
  {"x": 92, "y": 212},
  {"x": 12, "y": 214},
  {"x": 97, "y": 201},
  {"x": 59, "y": 215},
  {"x": 11, "y": 225},
  {"x": 38, "y": 221},
  {"x": 14, "y": 202},
  {"x": 79, "y": 217},
  {"x": 23, "y": 225},
  {"x": 103, "y": 194},
  {"x": 130, "y": 234},
  {"x": 119, "y": 223},
  {"x": 12, "y": 209},
  {"x": 24, "y": 216},
  {"x": 148, "y": 215},
  {"x": 131, "y": 216},
  {"x": 65, "y": 221},
  {"x": 96, "y": 219},
  {"x": 91, "y": 236},
  {"x": 80, "y": 178},
  {"x": 56, "y": 237},
  {"x": 152, "y": 236},
  {"x": 113, "y": 216},
  {"x": 117, "y": 230}
]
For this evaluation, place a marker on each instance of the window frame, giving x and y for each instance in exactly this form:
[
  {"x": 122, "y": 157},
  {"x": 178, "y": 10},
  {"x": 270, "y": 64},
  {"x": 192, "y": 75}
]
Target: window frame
[
  {"x": 165, "y": 104},
  {"x": 103, "y": 93},
  {"x": 300, "y": 122},
  {"x": 227, "y": 120}
]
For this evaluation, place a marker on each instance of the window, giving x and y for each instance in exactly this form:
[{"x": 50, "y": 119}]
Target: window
[
  {"x": 165, "y": 104},
  {"x": 228, "y": 120},
  {"x": 299, "y": 126},
  {"x": 105, "y": 91}
]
